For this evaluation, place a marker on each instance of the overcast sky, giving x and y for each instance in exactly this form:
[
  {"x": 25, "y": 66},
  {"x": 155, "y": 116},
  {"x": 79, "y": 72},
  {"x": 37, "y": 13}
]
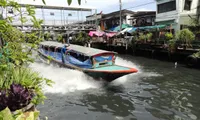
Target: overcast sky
[
  {"x": 106, "y": 6},
  {"x": 101, "y": 5}
]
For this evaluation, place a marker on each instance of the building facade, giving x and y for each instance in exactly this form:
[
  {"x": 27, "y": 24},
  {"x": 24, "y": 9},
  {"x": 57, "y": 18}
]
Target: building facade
[
  {"x": 92, "y": 19},
  {"x": 143, "y": 18},
  {"x": 177, "y": 13},
  {"x": 111, "y": 20}
]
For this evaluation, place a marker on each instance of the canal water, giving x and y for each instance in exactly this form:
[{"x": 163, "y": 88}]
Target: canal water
[{"x": 159, "y": 91}]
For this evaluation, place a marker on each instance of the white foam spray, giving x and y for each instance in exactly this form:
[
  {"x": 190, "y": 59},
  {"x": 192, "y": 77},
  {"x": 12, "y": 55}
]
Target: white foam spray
[
  {"x": 67, "y": 80},
  {"x": 137, "y": 76}
]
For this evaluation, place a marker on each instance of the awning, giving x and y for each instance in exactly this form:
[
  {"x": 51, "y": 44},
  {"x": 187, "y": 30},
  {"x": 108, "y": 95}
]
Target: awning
[
  {"x": 97, "y": 33},
  {"x": 110, "y": 34},
  {"x": 126, "y": 30},
  {"x": 132, "y": 29},
  {"x": 101, "y": 33},
  {"x": 152, "y": 27},
  {"x": 124, "y": 26}
]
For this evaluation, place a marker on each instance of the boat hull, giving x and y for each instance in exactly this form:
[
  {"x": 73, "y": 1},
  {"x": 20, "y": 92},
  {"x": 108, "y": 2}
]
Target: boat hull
[{"x": 108, "y": 76}]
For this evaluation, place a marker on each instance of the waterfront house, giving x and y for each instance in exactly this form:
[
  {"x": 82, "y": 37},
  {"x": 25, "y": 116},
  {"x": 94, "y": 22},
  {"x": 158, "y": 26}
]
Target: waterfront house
[
  {"x": 92, "y": 19},
  {"x": 178, "y": 14},
  {"x": 143, "y": 18},
  {"x": 112, "y": 20}
]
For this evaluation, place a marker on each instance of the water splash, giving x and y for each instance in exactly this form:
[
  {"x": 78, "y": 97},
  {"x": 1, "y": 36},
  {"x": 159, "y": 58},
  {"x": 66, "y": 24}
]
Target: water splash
[
  {"x": 135, "y": 76},
  {"x": 126, "y": 63},
  {"x": 66, "y": 80}
]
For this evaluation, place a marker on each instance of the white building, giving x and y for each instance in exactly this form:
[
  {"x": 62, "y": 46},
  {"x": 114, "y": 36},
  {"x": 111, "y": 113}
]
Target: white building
[{"x": 177, "y": 13}]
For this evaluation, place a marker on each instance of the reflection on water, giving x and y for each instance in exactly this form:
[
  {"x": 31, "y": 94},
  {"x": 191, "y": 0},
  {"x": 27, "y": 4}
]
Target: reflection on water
[{"x": 157, "y": 92}]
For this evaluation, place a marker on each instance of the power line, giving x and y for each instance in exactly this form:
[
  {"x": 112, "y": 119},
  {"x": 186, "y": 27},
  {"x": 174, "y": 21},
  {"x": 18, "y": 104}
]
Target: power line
[
  {"x": 152, "y": 3},
  {"x": 141, "y": 5}
]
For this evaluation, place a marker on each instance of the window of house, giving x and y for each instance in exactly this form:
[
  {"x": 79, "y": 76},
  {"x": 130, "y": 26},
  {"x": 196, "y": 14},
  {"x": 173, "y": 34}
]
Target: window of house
[
  {"x": 187, "y": 4},
  {"x": 166, "y": 7}
]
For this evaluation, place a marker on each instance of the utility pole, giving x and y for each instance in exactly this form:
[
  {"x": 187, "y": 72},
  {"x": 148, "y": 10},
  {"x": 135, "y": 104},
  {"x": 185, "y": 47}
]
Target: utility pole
[
  {"x": 120, "y": 7},
  {"x": 96, "y": 20}
]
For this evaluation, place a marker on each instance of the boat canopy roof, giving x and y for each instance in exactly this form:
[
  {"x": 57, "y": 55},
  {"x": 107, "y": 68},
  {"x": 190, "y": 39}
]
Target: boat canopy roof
[{"x": 80, "y": 49}]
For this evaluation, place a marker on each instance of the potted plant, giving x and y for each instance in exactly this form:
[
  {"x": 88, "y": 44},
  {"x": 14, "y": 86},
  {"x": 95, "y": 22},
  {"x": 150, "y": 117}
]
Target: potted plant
[
  {"x": 19, "y": 86},
  {"x": 185, "y": 36},
  {"x": 172, "y": 45},
  {"x": 21, "y": 90},
  {"x": 168, "y": 36},
  {"x": 142, "y": 38},
  {"x": 149, "y": 37}
]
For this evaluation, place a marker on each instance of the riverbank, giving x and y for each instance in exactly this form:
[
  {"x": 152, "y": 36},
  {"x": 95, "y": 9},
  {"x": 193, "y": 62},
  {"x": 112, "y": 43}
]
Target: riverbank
[{"x": 154, "y": 52}]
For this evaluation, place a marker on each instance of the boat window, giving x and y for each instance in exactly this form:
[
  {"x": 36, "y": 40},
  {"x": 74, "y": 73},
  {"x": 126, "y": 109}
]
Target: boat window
[
  {"x": 79, "y": 56},
  {"x": 46, "y": 48},
  {"x": 51, "y": 49},
  {"x": 58, "y": 50},
  {"x": 103, "y": 58}
]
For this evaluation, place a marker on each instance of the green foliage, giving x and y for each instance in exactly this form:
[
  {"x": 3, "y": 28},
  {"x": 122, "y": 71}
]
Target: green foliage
[
  {"x": 27, "y": 78},
  {"x": 44, "y": 2},
  {"x": 195, "y": 21},
  {"x": 14, "y": 40},
  {"x": 172, "y": 45},
  {"x": 83, "y": 37},
  {"x": 47, "y": 36},
  {"x": 169, "y": 36},
  {"x": 7, "y": 115},
  {"x": 197, "y": 55},
  {"x": 70, "y": 1},
  {"x": 142, "y": 37},
  {"x": 16, "y": 52},
  {"x": 59, "y": 37},
  {"x": 186, "y": 36},
  {"x": 149, "y": 36},
  {"x": 79, "y": 2}
]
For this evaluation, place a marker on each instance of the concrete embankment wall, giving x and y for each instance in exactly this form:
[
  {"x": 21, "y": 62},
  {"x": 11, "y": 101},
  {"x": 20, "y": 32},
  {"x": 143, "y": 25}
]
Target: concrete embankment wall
[{"x": 150, "y": 51}]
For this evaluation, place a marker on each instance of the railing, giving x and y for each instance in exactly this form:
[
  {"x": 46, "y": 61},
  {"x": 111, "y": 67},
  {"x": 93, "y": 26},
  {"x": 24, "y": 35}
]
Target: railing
[{"x": 50, "y": 22}]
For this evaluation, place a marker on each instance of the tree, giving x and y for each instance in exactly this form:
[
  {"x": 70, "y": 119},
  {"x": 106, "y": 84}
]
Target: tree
[
  {"x": 169, "y": 36},
  {"x": 186, "y": 36}
]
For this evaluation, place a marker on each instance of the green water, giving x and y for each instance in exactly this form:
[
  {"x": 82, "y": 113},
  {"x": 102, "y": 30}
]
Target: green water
[{"x": 158, "y": 92}]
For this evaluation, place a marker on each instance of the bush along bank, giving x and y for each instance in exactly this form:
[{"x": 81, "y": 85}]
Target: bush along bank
[
  {"x": 20, "y": 87},
  {"x": 169, "y": 46}
]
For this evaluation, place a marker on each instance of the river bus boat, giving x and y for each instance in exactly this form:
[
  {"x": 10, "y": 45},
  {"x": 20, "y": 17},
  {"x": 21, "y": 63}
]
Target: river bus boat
[{"x": 99, "y": 64}]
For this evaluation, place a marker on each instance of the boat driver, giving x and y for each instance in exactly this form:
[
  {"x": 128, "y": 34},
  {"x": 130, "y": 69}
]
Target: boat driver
[{"x": 63, "y": 51}]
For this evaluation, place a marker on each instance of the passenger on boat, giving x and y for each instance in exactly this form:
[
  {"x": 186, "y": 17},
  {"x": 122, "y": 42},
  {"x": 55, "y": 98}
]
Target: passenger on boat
[{"x": 63, "y": 51}]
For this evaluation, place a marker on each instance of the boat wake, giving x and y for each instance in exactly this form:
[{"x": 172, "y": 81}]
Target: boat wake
[{"x": 67, "y": 80}]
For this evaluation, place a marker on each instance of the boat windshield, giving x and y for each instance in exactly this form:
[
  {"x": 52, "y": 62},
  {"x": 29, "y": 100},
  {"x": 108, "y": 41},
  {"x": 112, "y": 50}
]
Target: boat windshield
[{"x": 103, "y": 60}]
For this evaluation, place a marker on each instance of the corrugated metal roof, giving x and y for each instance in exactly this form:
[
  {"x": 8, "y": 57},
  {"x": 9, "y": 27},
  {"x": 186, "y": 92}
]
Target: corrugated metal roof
[{"x": 80, "y": 49}]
